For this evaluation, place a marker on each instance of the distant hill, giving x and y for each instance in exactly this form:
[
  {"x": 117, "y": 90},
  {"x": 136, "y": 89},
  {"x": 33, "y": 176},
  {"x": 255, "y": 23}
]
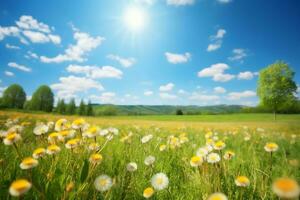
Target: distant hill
[{"x": 110, "y": 109}]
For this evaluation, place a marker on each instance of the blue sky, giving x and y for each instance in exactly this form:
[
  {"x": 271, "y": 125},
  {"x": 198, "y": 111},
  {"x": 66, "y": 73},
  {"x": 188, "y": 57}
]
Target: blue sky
[{"x": 199, "y": 52}]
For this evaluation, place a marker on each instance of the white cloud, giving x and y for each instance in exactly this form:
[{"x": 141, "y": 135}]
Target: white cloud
[
  {"x": 36, "y": 37},
  {"x": 31, "y": 55},
  {"x": 181, "y": 91},
  {"x": 216, "y": 40},
  {"x": 95, "y": 71},
  {"x": 166, "y": 88},
  {"x": 239, "y": 95},
  {"x": 8, "y": 73},
  {"x": 196, "y": 96},
  {"x": 105, "y": 97},
  {"x": 9, "y": 31},
  {"x": 9, "y": 46},
  {"x": 217, "y": 72},
  {"x": 177, "y": 58},
  {"x": 224, "y": 1},
  {"x": 247, "y": 75},
  {"x": 76, "y": 52},
  {"x": 28, "y": 22},
  {"x": 238, "y": 55},
  {"x": 19, "y": 67},
  {"x": 148, "y": 93},
  {"x": 147, "y": 2},
  {"x": 69, "y": 86},
  {"x": 219, "y": 90},
  {"x": 180, "y": 2},
  {"x": 125, "y": 62},
  {"x": 165, "y": 95}
]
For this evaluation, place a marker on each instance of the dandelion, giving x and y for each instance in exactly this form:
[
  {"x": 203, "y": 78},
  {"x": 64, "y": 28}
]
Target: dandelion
[
  {"x": 148, "y": 192},
  {"x": 103, "y": 183},
  {"x": 228, "y": 155},
  {"x": 53, "y": 149},
  {"x": 160, "y": 181},
  {"x": 217, "y": 196},
  {"x": 38, "y": 153},
  {"x": 19, "y": 187},
  {"x": 162, "y": 147},
  {"x": 271, "y": 147},
  {"x": 11, "y": 138},
  {"x": 196, "y": 161},
  {"x": 96, "y": 158},
  {"x": 131, "y": 167},
  {"x": 78, "y": 123},
  {"x": 286, "y": 188},
  {"x": 40, "y": 129},
  {"x": 202, "y": 151},
  {"x": 91, "y": 132},
  {"x": 219, "y": 145},
  {"x": 213, "y": 158},
  {"x": 29, "y": 163},
  {"x": 146, "y": 138},
  {"x": 62, "y": 124},
  {"x": 53, "y": 137},
  {"x": 73, "y": 143},
  {"x": 242, "y": 181},
  {"x": 149, "y": 160},
  {"x": 94, "y": 146}
]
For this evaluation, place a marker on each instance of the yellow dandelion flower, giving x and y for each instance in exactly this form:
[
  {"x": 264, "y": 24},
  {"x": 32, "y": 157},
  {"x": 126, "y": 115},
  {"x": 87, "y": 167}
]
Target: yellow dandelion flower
[
  {"x": 162, "y": 147},
  {"x": 229, "y": 155},
  {"x": 286, "y": 188},
  {"x": 148, "y": 192},
  {"x": 242, "y": 181},
  {"x": 19, "y": 187},
  {"x": 271, "y": 147},
  {"x": 217, "y": 196},
  {"x": 53, "y": 149},
  {"x": 11, "y": 138},
  {"x": 28, "y": 163},
  {"x": 219, "y": 145},
  {"x": 103, "y": 183},
  {"x": 94, "y": 146},
  {"x": 96, "y": 158},
  {"x": 196, "y": 161},
  {"x": 73, "y": 143},
  {"x": 38, "y": 153}
]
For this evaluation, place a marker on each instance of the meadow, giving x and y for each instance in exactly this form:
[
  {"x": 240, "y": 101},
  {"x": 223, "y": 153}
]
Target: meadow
[{"x": 237, "y": 156}]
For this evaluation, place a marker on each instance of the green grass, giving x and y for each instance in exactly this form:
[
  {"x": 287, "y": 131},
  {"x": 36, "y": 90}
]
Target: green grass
[{"x": 54, "y": 173}]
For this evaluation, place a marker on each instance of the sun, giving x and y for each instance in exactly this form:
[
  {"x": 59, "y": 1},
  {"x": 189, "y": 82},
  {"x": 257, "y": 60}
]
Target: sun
[{"x": 135, "y": 18}]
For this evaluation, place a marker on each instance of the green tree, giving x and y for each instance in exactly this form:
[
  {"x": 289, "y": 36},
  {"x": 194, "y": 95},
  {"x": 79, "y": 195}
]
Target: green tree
[
  {"x": 14, "y": 97},
  {"x": 89, "y": 109},
  {"x": 61, "y": 106},
  {"x": 71, "y": 107},
  {"x": 42, "y": 99},
  {"x": 81, "y": 110},
  {"x": 179, "y": 112},
  {"x": 276, "y": 86}
]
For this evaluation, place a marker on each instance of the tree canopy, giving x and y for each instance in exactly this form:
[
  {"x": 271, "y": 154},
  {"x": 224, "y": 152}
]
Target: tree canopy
[
  {"x": 14, "y": 97},
  {"x": 42, "y": 99}
]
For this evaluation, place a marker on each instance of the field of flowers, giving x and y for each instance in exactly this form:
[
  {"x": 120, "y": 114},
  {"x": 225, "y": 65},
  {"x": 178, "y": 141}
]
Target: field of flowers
[{"x": 73, "y": 159}]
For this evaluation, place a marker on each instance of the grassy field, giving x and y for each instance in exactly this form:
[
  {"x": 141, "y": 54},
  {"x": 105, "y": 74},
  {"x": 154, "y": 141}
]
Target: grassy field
[{"x": 175, "y": 157}]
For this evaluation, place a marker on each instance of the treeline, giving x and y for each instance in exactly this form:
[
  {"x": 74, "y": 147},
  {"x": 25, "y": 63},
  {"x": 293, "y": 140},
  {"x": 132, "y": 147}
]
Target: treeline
[{"x": 14, "y": 97}]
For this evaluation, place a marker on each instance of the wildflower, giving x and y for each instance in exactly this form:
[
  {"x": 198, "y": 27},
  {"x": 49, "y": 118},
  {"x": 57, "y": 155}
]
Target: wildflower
[
  {"x": 173, "y": 142},
  {"x": 183, "y": 138},
  {"x": 217, "y": 196},
  {"x": 219, "y": 145},
  {"x": 149, "y": 160},
  {"x": 160, "y": 181},
  {"x": 61, "y": 124},
  {"x": 40, "y": 129},
  {"x": 271, "y": 147},
  {"x": 148, "y": 192},
  {"x": 113, "y": 130},
  {"x": 38, "y": 153},
  {"x": 146, "y": 138},
  {"x": 66, "y": 134},
  {"x": 11, "y": 138},
  {"x": 242, "y": 181},
  {"x": 53, "y": 137},
  {"x": 286, "y": 188},
  {"x": 103, "y": 132},
  {"x": 94, "y": 146},
  {"x": 202, "y": 151},
  {"x": 52, "y": 149},
  {"x": 213, "y": 158},
  {"x": 19, "y": 187},
  {"x": 91, "y": 132},
  {"x": 103, "y": 183},
  {"x": 78, "y": 123},
  {"x": 131, "y": 167},
  {"x": 162, "y": 147},
  {"x": 228, "y": 155},
  {"x": 209, "y": 141},
  {"x": 73, "y": 143},
  {"x": 96, "y": 158},
  {"x": 29, "y": 163},
  {"x": 70, "y": 187},
  {"x": 196, "y": 161}
]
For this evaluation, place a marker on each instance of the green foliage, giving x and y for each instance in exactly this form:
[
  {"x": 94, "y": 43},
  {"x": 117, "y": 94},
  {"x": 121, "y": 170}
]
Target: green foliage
[
  {"x": 89, "y": 109},
  {"x": 276, "y": 85},
  {"x": 81, "y": 109},
  {"x": 42, "y": 99},
  {"x": 14, "y": 97},
  {"x": 61, "y": 107},
  {"x": 71, "y": 107},
  {"x": 179, "y": 112},
  {"x": 108, "y": 110}
]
